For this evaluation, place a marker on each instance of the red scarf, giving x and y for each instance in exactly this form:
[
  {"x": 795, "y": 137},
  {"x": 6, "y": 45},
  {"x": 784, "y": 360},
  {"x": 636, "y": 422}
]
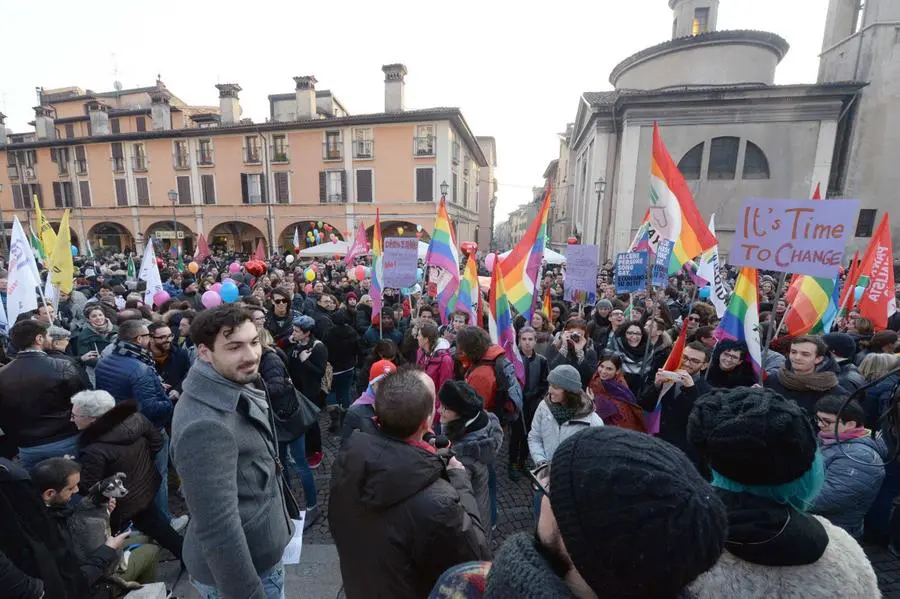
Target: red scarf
[{"x": 827, "y": 436}]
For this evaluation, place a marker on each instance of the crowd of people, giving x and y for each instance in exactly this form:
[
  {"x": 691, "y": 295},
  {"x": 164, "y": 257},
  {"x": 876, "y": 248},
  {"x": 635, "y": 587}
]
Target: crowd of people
[{"x": 702, "y": 481}]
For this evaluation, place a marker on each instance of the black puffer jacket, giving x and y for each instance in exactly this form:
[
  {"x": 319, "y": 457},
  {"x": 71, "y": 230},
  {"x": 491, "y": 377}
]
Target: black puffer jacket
[
  {"x": 363, "y": 318},
  {"x": 122, "y": 440},
  {"x": 281, "y": 327},
  {"x": 307, "y": 376},
  {"x": 281, "y": 392},
  {"x": 399, "y": 518},
  {"x": 34, "y": 398},
  {"x": 342, "y": 342}
]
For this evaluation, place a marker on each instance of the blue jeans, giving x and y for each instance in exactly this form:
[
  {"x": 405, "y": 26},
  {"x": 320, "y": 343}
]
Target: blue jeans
[
  {"x": 272, "y": 582},
  {"x": 298, "y": 451},
  {"x": 162, "y": 465},
  {"x": 340, "y": 389},
  {"x": 32, "y": 456}
]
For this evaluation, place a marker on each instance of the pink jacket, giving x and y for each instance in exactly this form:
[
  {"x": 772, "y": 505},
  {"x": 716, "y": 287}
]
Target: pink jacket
[{"x": 439, "y": 366}]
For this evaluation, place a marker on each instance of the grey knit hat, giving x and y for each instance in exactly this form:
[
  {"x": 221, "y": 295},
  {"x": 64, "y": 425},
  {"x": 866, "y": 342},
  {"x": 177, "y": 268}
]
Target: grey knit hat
[
  {"x": 565, "y": 377},
  {"x": 604, "y": 303}
]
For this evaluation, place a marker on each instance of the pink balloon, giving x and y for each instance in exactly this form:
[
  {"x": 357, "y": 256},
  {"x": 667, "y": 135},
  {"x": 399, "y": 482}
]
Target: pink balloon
[
  {"x": 489, "y": 261},
  {"x": 360, "y": 272},
  {"x": 215, "y": 287},
  {"x": 160, "y": 297},
  {"x": 234, "y": 267},
  {"x": 307, "y": 288},
  {"x": 211, "y": 299}
]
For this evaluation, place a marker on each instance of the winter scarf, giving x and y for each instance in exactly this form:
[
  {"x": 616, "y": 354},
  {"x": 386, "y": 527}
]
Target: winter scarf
[
  {"x": 103, "y": 331},
  {"x": 606, "y": 391},
  {"x": 133, "y": 350},
  {"x": 827, "y": 436},
  {"x": 816, "y": 381},
  {"x": 564, "y": 351},
  {"x": 561, "y": 413},
  {"x": 459, "y": 428}
]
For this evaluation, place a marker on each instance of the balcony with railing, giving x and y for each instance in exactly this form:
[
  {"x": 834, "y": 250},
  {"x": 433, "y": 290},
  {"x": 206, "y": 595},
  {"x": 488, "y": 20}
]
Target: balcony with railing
[
  {"x": 81, "y": 167},
  {"x": 423, "y": 146},
  {"x": 182, "y": 160},
  {"x": 251, "y": 156},
  {"x": 335, "y": 198},
  {"x": 279, "y": 154},
  {"x": 363, "y": 149},
  {"x": 332, "y": 151},
  {"x": 118, "y": 164},
  {"x": 205, "y": 157},
  {"x": 139, "y": 163}
]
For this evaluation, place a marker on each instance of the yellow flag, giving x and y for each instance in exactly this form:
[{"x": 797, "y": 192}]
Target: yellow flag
[
  {"x": 48, "y": 237},
  {"x": 61, "y": 268}
]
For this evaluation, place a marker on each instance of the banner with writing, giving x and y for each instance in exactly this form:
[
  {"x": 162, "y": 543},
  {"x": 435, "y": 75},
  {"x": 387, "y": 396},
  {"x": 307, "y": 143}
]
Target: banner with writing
[
  {"x": 631, "y": 271},
  {"x": 400, "y": 258},
  {"x": 582, "y": 265},
  {"x": 806, "y": 237},
  {"x": 661, "y": 264}
]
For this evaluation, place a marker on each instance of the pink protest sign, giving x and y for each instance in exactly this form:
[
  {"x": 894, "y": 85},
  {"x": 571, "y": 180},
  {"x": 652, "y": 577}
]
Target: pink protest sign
[{"x": 798, "y": 236}]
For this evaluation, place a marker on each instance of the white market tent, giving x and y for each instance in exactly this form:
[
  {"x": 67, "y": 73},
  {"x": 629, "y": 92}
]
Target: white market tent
[
  {"x": 325, "y": 250},
  {"x": 550, "y": 256}
]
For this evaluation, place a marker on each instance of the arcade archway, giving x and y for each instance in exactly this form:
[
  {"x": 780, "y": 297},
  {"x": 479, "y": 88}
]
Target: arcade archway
[
  {"x": 304, "y": 228},
  {"x": 110, "y": 238},
  {"x": 399, "y": 228},
  {"x": 162, "y": 234},
  {"x": 236, "y": 236}
]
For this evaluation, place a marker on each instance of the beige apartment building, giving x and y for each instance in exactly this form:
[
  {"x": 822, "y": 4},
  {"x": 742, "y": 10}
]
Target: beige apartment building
[{"x": 140, "y": 163}]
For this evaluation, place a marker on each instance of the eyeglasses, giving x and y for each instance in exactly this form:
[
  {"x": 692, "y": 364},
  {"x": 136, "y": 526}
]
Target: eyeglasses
[
  {"x": 633, "y": 334},
  {"x": 142, "y": 335},
  {"x": 731, "y": 357},
  {"x": 279, "y": 301},
  {"x": 826, "y": 421},
  {"x": 540, "y": 479},
  {"x": 163, "y": 337},
  {"x": 693, "y": 361}
]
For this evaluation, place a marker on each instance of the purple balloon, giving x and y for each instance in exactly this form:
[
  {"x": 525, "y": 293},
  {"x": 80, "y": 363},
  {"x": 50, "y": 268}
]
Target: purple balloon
[
  {"x": 226, "y": 281},
  {"x": 160, "y": 297},
  {"x": 211, "y": 299},
  {"x": 234, "y": 267},
  {"x": 215, "y": 287}
]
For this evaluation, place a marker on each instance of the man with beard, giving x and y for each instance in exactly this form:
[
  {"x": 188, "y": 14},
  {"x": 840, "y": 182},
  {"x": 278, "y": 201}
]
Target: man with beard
[
  {"x": 172, "y": 362},
  {"x": 240, "y": 523},
  {"x": 809, "y": 373},
  {"x": 675, "y": 394},
  {"x": 605, "y": 480},
  {"x": 189, "y": 294}
]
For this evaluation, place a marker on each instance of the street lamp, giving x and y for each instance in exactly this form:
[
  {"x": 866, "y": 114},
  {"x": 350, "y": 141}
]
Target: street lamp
[
  {"x": 173, "y": 197},
  {"x": 444, "y": 189},
  {"x": 599, "y": 189}
]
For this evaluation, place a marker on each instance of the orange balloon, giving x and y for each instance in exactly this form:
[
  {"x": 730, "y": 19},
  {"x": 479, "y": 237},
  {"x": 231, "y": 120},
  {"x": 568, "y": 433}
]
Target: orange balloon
[{"x": 193, "y": 267}]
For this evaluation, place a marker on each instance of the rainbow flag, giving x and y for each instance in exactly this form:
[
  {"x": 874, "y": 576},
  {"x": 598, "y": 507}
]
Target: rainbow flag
[
  {"x": 741, "y": 320},
  {"x": 813, "y": 306},
  {"x": 443, "y": 254},
  {"x": 377, "y": 266},
  {"x": 500, "y": 324},
  {"x": 521, "y": 267},
  {"x": 673, "y": 363},
  {"x": 469, "y": 291},
  {"x": 642, "y": 241},
  {"x": 547, "y": 307},
  {"x": 673, "y": 212}
]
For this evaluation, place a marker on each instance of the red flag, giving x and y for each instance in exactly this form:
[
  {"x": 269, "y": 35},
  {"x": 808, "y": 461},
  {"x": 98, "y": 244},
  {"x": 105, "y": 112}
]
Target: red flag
[
  {"x": 260, "y": 253},
  {"x": 847, "y": 297},
  {"x": 673, "y": 362},
  {"x": 817, "y": 194},
  {"x": 877, "y": 271},
  {"x": 202, "y": 252}
]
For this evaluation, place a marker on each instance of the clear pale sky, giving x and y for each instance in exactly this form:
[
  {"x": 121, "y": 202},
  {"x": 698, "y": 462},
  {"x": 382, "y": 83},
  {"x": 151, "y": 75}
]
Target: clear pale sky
[{"x": 516, "y": 69}]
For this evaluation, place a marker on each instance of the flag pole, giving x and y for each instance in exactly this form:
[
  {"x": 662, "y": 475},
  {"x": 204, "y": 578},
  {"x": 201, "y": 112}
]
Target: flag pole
[
  {"x": 770, "y": 333},
  {"x": 647, "y": 340}
]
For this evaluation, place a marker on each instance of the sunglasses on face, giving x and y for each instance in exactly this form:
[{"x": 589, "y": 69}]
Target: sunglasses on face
[{"x": 279, "y": 301}]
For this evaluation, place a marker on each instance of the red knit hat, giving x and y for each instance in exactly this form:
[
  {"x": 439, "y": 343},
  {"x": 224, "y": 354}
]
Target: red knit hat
[{"x": 381, "y": 368}]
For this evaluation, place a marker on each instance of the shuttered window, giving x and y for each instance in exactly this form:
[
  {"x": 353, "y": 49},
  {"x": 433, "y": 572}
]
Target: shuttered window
[
  {"x": 70, "y": 130},
  {"x": 17, "y": 196},
  {"x": 121, "y": 193},
  {"x": 184, "y": 190},
  {"x": 141, "y": 123},
  {"x": 143, "y": 191},
  {"x": 114, "y": 126},
  {"x": 63, "y": 194},
  {"x": 364, "y": 185},
  {"x": 84, "y": 187},
  {"x": 253, "y": 188},
  {"x": 282, "y": 188},
  {"x": 208, "y": 187},
  {"x": 425, "y": 184}
]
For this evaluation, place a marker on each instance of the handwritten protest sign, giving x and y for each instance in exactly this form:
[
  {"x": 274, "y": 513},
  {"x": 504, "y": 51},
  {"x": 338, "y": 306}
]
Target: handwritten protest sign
[
  {"x": 631, "y": 271},
  {"x": 807, "y": 237},
  {"x": 401, "y": 256},
  {"x": 661, "y": 265},
  {"x": 582, "y": 263}
]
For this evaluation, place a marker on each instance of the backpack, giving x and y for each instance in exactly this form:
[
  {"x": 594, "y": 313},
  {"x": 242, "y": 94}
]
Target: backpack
[
  {"x": 328, "y": 377},
  {"x": 508, "y": 399}
]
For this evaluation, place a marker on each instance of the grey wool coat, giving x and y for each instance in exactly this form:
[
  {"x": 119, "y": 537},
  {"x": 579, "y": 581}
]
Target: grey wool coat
[{"x": 225, "y": 451}]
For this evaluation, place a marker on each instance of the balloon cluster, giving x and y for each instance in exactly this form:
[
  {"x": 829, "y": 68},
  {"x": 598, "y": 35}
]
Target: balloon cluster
[{"x": 359, "y": 273}]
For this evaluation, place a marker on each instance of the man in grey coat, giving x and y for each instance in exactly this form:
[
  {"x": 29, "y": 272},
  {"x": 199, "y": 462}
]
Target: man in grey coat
[{"x": 225, "y": 451}]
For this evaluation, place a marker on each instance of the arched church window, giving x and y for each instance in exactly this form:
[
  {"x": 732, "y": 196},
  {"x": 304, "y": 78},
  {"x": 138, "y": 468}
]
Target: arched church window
[
  {"x": 691, "y": 162},
  {"x": 756, "y": 165},
  {"x": 723, "y": 153}
]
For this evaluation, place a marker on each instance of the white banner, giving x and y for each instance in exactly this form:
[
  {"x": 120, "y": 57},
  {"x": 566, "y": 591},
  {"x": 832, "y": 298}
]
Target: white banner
[
  {"x": 149, "y": 272},
  {"x": 709, "y": 270},
  {"x": 21, "y": 289}
]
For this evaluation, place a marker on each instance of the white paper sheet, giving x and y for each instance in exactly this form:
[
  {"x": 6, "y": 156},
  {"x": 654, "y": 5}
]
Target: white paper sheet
[{"x": 295, "y": 546}]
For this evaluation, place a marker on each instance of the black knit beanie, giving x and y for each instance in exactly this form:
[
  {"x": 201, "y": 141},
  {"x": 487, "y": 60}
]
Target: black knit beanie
[
  {"x": 753, "y": 436},
  {"x": 461, "y": 398},
  {"x": 636, "y": 518}
]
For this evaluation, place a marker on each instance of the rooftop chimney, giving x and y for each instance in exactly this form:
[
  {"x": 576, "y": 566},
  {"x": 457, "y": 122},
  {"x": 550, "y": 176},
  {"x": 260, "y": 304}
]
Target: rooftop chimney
[
  {"x": 229, "y": 105},
  {"x": 99, "y": 114},
  {"x": 306, "y": 97},
  {"x": 393, "y": 87},
  {"x": 43, "y": 123},
  {"x": 160, "y": 110}
]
